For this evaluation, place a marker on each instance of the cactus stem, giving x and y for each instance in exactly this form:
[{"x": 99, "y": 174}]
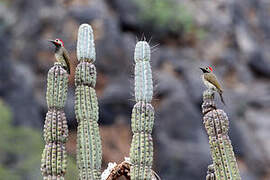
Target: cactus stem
[
  {"x": 142, "y": 120},
  {"x": 86, "y": 107},
  {"x": 54, "y": 159},
  {"x": 216, "y": 124}
]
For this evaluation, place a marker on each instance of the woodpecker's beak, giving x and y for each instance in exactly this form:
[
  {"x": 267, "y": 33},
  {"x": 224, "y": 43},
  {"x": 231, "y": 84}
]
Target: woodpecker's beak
[
  {"x": 52, "y": 41},
  {"x": 203, "y": 70}
]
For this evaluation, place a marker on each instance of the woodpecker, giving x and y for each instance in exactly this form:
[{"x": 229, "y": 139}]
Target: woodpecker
[
  {"x": 211, "y": 82},
  {"x": 61, "y": 54}
]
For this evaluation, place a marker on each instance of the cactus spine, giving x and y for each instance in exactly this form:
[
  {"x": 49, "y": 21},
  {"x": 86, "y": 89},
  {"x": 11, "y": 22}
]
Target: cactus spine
[
  {"x": 86, "y": 107},
  {"x": 217, "y": 125},
  {"x": 142, "y": 120},
  {"x": 54, "y": 157}
]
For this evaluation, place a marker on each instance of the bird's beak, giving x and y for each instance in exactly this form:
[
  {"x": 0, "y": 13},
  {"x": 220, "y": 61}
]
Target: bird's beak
[
  {"x": 203, "y": 70},
  {"x": 52, "y": 41}
]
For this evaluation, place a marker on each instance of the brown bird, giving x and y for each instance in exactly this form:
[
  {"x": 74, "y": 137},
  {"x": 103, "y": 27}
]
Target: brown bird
[
  {"x": 211, "y": 82},
  {"x": 61, "y": 54}
]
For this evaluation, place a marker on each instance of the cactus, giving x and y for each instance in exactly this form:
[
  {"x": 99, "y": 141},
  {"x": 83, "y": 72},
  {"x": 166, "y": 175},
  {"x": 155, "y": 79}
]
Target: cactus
[
  {"x": 142, "y": 120},
  {"x": 54, "y": 157},
  {"x": 86, "y": 107},
  {"x": 217, "y": 125}
]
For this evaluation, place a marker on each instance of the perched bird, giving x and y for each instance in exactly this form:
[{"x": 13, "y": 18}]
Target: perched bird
[
  {"x": 61, "y": 54},
  {"x": 211, "y": 82}
]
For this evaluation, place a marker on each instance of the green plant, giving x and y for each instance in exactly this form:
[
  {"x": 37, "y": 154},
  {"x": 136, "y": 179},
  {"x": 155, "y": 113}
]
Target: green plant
[
  {"x": 142, "y": 120},
  {"x": 19, "y": 158},
  {"x": 167, "y": 14},
  {"x": 217, "y": 125},
  {"x": 86, "y": 107},
  {"x": 72, "y": 171},
  {"x": 54, "y": 156},
  {"x": 23, "y": 144}
]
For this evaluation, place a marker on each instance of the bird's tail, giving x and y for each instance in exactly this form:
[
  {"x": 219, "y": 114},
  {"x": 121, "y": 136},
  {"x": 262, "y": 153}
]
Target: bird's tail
[
  {"x": 67, "y": 68},
  {"x": 221, "y": 97}
]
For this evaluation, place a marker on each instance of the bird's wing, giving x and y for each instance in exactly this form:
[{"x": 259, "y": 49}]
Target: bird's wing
[
  {"x": 67, "y": 59},
  {"x": 213, "y": 79}
]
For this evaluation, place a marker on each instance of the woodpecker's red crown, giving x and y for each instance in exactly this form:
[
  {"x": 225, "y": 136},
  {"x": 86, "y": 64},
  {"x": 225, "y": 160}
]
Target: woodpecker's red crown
[{"x": 211, "y": 69}]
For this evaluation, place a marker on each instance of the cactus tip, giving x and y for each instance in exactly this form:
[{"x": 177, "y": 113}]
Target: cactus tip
[
  {"x": 142, "y": 51},
  {"x": 85, "y": 44},
  {"x": 85, "y": 26}
]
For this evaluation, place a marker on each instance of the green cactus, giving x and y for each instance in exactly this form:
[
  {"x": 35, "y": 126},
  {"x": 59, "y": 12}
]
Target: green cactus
[
  {"x": 142, "y": 120},
  {"x": 54, "y": 157},
  {"x": 217, "y": 125},
  {"x": 86, "y": 108}
]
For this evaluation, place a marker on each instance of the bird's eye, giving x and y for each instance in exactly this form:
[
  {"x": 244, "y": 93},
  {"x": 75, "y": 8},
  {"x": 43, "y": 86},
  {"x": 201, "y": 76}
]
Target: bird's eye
[{"x": 56, "y": 40}]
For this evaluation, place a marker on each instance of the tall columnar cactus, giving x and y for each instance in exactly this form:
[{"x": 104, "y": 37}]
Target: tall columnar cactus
[
  {"x": 86, "y": 107},
  {"x": 142, "y": 120},
  {"x": 54, "y": 157},
  {"x": 217, "y": 125}
]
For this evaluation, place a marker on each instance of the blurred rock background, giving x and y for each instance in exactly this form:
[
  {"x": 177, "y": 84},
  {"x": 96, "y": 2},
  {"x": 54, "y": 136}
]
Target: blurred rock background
[{"x": 232, "y": 36}]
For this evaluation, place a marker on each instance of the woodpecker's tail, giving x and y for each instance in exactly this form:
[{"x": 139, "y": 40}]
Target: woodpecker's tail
[
  {"x": 221, "y": 97},
  {"x": 67, "y": 68}
]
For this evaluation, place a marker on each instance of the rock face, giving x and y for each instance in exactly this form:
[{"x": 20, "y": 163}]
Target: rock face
[{"x": 235, "y": 43}]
